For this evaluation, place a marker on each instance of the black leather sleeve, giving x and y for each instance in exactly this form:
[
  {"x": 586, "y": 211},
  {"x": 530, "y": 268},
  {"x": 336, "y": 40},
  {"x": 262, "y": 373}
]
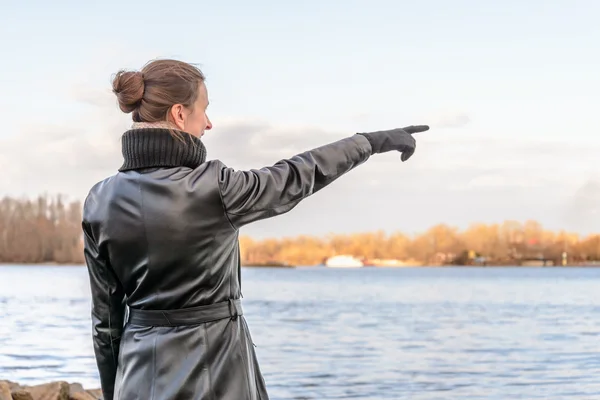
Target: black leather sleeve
[
  {"x": 108, "y": 311},
  {"x": 253, "y": 195}
]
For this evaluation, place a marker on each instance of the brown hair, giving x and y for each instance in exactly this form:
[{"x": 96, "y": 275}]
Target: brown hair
[{"x": 150, "y": 93}]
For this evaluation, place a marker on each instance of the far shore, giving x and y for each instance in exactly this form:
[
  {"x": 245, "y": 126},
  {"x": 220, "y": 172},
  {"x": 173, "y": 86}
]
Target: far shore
[
  {"x": 288, "y": 266},
  {"x": 48, "y": 264}
]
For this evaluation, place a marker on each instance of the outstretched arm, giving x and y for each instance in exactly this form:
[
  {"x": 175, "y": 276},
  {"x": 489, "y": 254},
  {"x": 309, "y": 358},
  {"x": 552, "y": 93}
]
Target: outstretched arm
[{"x": 253, "y": 195}]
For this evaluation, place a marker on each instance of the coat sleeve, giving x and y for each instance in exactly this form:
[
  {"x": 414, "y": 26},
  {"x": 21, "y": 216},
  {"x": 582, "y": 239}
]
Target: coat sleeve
[
  {"x": 108, "y": 310},
  {"x": 249, "y": 196}
]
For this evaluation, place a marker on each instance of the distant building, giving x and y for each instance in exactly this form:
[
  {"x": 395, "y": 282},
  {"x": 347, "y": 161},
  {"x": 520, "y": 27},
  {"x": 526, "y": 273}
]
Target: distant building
[{"x": 343, "y": 261}]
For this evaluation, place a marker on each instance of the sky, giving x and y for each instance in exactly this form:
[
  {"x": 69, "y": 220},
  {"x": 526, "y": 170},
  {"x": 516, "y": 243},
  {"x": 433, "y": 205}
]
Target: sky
[{"x": 510, "y": 89}]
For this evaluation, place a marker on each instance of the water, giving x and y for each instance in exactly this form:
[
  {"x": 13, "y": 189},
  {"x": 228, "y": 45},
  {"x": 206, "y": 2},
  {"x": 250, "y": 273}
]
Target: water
[{"x": 422, "y": 333}]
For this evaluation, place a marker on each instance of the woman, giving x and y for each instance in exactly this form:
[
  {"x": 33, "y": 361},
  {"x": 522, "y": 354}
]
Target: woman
[{"x": 161, "y": 236}]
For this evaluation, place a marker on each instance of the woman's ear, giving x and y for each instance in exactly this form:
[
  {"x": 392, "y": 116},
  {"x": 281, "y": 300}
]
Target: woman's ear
[{"x": 177, "y": 116}]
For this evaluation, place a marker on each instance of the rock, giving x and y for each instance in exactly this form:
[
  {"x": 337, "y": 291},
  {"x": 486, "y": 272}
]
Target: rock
[
  {"x": 13, "y": 386},
  {"x": 50, "y": 391},
  {"x": 5, "y": 392},
  {"x": 21, "y": 395},
  {"x": 77, "y": 392},
  {"x": 96, "y": 394},
  {"x": 76, "y": 388}
]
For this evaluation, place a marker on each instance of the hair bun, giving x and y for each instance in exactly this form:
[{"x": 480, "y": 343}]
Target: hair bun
[{"x": 129, "y": 88}]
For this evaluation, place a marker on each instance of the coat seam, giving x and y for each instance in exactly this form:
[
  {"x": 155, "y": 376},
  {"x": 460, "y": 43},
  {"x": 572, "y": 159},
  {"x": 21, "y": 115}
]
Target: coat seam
[
  {"x": 225, "y": 212},
  {"x": 142, "y": 212},
  {"x": 266, "y": 209},
  {"x": 230, "y": 224},
  {"x": 253, "y": 210}
]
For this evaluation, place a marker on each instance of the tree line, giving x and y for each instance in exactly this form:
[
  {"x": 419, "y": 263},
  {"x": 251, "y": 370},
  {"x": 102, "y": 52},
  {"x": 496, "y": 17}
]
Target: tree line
[
  {"x": 41, "y": 230},
  {"x": 48, "y": 230},
  {"x": 507, "y": 243}
]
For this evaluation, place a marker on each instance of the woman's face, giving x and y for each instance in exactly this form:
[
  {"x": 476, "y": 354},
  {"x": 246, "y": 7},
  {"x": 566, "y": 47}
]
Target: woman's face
[{"x": 193, "y": 120}]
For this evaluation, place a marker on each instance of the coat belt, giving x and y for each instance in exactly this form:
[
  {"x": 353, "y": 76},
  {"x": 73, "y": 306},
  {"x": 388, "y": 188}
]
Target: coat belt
[{"x": 231, "y": 308}]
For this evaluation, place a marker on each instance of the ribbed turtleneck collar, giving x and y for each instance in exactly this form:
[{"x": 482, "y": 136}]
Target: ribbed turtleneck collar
[{"x": 156, "y": 147}]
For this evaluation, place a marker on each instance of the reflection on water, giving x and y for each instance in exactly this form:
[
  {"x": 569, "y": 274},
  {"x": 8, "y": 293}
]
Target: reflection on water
[{"x": 362, "y": 334}]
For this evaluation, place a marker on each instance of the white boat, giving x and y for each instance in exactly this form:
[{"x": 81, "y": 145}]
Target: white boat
[{"x": 343, "y": 261}]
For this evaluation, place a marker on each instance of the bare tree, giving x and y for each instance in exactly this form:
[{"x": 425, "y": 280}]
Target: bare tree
[{"x": 43, "y": 230}]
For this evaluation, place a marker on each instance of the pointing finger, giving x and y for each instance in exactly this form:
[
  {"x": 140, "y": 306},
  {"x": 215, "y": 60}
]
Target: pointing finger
[{"x": 416, "y": 128}]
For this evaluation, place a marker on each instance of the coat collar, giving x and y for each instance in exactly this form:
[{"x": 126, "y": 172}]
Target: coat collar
[{"x": 155, "y": 147}]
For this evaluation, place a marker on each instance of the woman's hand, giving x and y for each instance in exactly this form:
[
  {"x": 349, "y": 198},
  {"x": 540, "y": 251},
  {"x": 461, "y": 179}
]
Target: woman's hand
[{"x": 399, "y": 139}]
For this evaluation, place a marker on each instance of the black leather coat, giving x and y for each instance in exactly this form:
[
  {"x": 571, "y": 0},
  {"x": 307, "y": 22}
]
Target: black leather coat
[{"x": 162, "y": 235}]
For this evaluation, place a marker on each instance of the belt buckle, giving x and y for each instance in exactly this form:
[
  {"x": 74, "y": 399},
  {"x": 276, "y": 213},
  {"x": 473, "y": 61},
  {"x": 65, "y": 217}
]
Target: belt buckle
[{"x": 233, "y": 312}]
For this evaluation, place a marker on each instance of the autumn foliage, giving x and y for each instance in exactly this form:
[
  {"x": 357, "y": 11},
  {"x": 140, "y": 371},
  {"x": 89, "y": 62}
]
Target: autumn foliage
[
  {"x": 48, "y": 229},
  {"x": 509, "y": 243}
]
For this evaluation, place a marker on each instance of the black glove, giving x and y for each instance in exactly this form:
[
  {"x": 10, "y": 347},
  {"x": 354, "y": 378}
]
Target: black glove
[{"x": 399, "y": 139}]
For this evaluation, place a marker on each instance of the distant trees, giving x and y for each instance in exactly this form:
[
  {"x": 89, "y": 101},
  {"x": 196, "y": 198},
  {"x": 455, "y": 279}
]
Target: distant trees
[
  {"x": 42, "y": 230},
  {"x": 48, "y": 229},
  {"x": 498, "y": 244}
]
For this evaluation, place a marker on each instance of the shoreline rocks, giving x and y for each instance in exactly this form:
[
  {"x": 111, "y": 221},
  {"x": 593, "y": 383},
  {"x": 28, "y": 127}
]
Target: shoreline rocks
[{"x": 58, "y": 390}]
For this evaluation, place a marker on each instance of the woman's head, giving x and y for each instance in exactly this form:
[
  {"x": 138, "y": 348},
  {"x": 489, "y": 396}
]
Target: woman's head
[{"x": 165, "y": 90}]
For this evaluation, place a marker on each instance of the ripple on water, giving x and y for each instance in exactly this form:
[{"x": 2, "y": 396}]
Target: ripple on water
[{"x": 418, "y": 334}]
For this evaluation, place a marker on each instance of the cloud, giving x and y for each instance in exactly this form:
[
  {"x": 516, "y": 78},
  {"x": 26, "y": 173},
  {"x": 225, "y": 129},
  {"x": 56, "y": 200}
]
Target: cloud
[
  {"x": 452, "y": 119},
  {"x": 582, "y": 209},
  {"x": 254, "y": 144},
  {"x": 57, "y": 159},
  {"x": 69, "y": 157},
  {"x": 93, "y": 97},
  {"x": 454, "y": 178}
]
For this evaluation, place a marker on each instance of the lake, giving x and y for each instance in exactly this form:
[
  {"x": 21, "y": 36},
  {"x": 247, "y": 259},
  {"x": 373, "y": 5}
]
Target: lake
[{"x": 371, "y": 333}]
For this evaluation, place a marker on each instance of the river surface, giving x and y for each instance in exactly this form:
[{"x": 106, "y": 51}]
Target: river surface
[{"x": 408, "y": 333}]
